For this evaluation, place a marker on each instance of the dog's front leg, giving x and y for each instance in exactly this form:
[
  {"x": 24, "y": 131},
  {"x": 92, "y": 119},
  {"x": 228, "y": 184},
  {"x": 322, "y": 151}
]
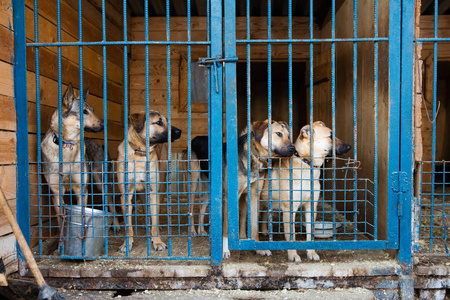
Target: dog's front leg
[
  {"x": 79, "y": 188},
  {"x": 311, "y": 254},
  {"x": 127, "y": 209},
  {"x": 158, "y": 244},
  {"x": 56, "y": 196},
  {"x": 254, "y": 209},
  {"x": 288, "y": 231}
]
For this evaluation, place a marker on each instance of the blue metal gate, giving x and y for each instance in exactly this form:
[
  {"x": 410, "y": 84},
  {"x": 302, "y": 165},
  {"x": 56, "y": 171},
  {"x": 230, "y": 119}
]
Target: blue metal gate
[
  {"x": 356, "y": 201},
  {"x": 359, "y": 195}
]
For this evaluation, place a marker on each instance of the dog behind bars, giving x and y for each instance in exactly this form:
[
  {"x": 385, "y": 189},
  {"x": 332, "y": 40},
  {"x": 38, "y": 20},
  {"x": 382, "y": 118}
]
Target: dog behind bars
[{"x": 70, "y": 170}]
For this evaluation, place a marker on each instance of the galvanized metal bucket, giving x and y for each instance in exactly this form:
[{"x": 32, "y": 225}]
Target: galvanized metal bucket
[{"x": 90, "y": 225}]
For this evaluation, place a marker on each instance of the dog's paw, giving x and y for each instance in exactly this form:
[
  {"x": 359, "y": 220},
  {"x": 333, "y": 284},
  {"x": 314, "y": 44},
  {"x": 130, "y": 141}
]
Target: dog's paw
[
  {"x": 203, "y": 231},
  {"x": 226, "y": 254},
  {"x": 264, "y": 252},
  {"x": 123, "y": 248},
  {"x": 159, "y": 246},
  {"x": 193, "y": 231},
  {"x": 312, "y": 255},
  {"x": 295, "y": 258}
]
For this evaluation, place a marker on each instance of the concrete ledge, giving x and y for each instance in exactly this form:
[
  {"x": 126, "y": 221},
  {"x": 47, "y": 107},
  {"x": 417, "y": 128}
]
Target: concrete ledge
[{"x": 312, "y": 270}]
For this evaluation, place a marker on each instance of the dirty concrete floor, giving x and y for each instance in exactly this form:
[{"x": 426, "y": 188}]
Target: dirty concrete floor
[{"x": 347, "y": 294}]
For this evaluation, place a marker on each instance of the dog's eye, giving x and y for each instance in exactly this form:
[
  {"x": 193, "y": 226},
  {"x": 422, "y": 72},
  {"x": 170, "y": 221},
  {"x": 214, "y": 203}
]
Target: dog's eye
[
  {"x": 279, "y": 134},
  {"x": 85, "y": 111},
  {"x": 160, "y": 123}
]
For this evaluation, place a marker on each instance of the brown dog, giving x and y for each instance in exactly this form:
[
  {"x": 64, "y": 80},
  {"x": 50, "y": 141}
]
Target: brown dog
[
  {"x": 301, "y": 181},
  {"x": 281, "y": 147},
  {"x": 136, "y": 170},
  {"x": 71, "y": 168}
]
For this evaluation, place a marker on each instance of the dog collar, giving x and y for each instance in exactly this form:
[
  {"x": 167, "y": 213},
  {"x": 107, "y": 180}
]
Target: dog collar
[
  {"x": 308, "y": 162},
  {"x": 64, "y": 144},
  {"x": 137, "y": 150}
]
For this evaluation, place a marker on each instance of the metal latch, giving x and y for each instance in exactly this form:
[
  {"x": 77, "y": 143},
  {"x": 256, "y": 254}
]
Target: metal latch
[
  {"x": 400, "y": 185},
  {"x": 215, "y": 63}
]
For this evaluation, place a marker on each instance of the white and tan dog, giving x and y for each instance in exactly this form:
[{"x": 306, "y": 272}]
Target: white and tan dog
[
  {"x": 66, "y": 175},
  {"x": 301, "y": 181}
]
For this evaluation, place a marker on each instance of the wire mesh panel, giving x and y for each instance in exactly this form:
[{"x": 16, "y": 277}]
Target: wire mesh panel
[
  {"x": 432, "y": 151},
  {"x": 115, "y": 102},
  {"x": 324, "y": 78}
]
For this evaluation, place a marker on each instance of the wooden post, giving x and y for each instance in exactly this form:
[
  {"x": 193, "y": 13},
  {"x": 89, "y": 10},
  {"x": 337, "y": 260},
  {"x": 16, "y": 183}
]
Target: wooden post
[{"x": 418, "y": 96}]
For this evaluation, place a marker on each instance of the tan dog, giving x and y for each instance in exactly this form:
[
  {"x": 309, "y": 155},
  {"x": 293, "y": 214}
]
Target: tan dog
[
  {"x": 70, "y": 170},
  {"x": 281, "y": 147},
  {"x": 301, "y": 174},
  {"x": 136, "y": 156}
]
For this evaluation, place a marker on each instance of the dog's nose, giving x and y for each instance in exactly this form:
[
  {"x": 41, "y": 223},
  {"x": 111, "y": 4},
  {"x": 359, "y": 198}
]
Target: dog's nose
[
  {"x": 177, "y": 131},
  {"x": 102, "y": 125},
  {"x": 348, "y": 147},
  {"x": 291, "y": 148}
]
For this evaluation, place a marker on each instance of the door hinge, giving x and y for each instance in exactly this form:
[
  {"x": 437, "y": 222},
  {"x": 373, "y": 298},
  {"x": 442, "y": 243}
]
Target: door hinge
[
  {"x": 214, "y": 63},
  {"x": 400, "y": 184}
]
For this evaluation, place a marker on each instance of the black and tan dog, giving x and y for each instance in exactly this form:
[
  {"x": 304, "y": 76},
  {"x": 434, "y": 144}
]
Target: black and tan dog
[
  {"x": 281, "y": 147},
  {"x": 301, "y": 181},
  {"x": 70, "y": 170},
  {"x": 136, "y": 170}
]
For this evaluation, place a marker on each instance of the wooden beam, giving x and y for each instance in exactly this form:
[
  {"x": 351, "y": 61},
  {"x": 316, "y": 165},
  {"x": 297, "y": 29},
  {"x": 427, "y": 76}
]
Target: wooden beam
[
  {"x": 201, "y": 6},
  {"x": 241, "y": 8},
  {"x": 444, "y": 5},
  {"x": 425, "y": 5},
  {"x": 159, "y": 6},
  {"x": 180, "y": 7},
  {"x": 137, "y": 7}
]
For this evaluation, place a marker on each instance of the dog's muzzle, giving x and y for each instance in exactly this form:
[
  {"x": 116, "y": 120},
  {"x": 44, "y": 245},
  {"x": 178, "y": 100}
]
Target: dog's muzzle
[
  {"x": 342, "y": 148},
  {"x": 98, "y": 128},
  {"x": 176, "y": 133},
  {"x": 288, "y": 151}
]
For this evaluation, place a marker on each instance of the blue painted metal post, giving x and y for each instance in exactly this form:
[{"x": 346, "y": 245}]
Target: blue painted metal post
[
  {"x": 406, "y": 148},
  {"x": 394, "y": 118},
  {"x": 216, "y": 134},
  {"x": 20, "y": 94},
  {"x": 231, "y": 119}
]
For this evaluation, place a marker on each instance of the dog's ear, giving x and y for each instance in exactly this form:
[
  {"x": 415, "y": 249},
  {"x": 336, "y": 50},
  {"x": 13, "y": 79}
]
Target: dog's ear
[
  {"x": 68, "y": 97},
  {"x": 137, "y": 120},
  {"x": 305, "y": 132},
  {"x": 319, "y": 123},
  {"x": 258, "y": 128},
  {"x": 86, "y": 93}
]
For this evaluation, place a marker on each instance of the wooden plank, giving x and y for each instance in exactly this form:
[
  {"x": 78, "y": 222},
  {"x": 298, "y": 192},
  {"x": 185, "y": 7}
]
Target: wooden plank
[
  {"x": 92, "y": 15},
  {"x": 7, "y": 113},
  {"x": 70, "y": 73},
  {"x": 4, "y": 224},
  {"x": 137, "y": 82},
  {"x": 155, "y": 67},
  {"x": 7, "y": 148},
  {"x": 8, "y": 181},
  {"x": 6, "y": 14},
  {"x": 7, "y": 44},
  {"x": 6, "y": 79},
  {"x": 69, "y": 24},
  {"x": 92, "y": 60},
  {"x": 113, "y": 11},
  {"x": 257, "y": 24}
]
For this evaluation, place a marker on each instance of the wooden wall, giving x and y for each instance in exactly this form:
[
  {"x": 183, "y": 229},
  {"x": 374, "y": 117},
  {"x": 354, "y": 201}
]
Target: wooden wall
[
  {"x": 365, "y": 92},
  {"x": 7, "y": 130},
  {"x": 158, "y": 62},
  {"x": 48, "y": 68}
]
